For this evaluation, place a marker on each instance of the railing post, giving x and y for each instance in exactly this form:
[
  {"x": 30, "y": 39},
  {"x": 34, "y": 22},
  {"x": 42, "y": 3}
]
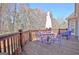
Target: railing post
[
  {"x": 4, "y": 43},
  {"x": 59, "y": 31},
  {"x": 30, "y": 37},
  {"x": 21, "y": 44},
  {"x": 0, "y": 46}
]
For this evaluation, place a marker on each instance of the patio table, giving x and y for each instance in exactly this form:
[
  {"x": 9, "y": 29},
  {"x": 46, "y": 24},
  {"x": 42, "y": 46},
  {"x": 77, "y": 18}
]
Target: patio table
[{"x": 47, "y": 37}]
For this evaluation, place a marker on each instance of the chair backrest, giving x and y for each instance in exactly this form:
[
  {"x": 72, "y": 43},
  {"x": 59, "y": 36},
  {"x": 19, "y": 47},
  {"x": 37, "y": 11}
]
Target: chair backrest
[{"x": 68, "y": 33}]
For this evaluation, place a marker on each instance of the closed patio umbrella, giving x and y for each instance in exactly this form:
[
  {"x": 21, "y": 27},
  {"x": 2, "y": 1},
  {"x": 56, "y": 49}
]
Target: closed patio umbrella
[{"x": 48, "y": 21}]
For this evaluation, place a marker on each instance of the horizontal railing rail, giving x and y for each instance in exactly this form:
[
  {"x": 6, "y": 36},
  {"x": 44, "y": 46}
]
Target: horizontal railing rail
[{"x": 62, "y": 30}]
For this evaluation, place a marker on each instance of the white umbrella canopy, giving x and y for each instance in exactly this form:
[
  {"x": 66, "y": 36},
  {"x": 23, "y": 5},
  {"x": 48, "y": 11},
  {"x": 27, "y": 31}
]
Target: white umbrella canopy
[{"x": 48, "y": 21}]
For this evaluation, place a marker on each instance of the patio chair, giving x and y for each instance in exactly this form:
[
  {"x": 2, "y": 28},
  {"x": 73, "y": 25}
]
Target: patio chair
[
  {"x": 48, "y": 40},
  {"x": 67, "y": 34},
  {"x": 57, "y": 40},
  {"x": 42, "y": 38}
]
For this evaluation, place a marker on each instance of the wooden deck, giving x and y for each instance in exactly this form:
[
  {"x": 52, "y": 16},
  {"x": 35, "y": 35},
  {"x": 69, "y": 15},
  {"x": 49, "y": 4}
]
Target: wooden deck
[
  {"x": 69, "y": 47},
  {"x": 26, "y": 43}
]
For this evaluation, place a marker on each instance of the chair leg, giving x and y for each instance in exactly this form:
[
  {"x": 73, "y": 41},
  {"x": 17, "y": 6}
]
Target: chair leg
[{"x": 67, "y": 38}]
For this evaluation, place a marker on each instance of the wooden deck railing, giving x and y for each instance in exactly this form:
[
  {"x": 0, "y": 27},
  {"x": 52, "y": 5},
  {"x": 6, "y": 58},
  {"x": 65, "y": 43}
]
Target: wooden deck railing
[
  {"x": 13, "y": 43},
  {"x": 62, "y": 30}
]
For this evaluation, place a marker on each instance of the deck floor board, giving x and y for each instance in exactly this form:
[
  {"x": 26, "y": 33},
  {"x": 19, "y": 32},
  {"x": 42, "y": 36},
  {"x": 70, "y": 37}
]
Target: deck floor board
[{"x": 69, "y": 47}]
